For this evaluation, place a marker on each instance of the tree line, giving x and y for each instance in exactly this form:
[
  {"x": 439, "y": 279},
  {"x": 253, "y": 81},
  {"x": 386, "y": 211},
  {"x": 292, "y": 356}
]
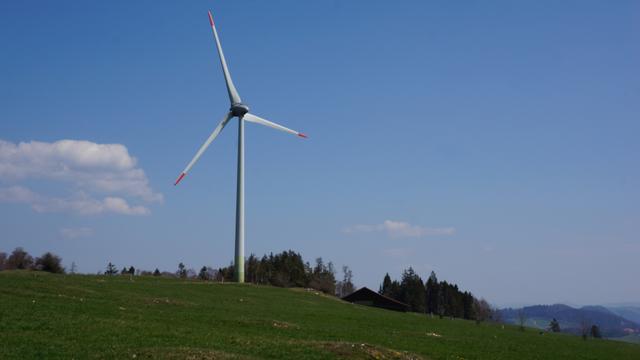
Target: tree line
[
  {"x": 19, "y": 259},
  {"x": 286, "y": 269},
  {"x": 436, "y": 297}
]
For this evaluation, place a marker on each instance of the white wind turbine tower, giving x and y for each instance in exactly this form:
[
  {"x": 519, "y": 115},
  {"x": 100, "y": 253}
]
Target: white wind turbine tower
[{"x": 241, "y": 111}]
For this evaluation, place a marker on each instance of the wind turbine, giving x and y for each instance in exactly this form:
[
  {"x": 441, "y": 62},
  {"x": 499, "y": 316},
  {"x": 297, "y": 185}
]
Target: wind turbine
[{"x": 241, "y": 111}]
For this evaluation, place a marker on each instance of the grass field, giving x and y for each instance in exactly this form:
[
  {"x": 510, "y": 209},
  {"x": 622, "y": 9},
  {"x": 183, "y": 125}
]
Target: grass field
[{"x": 44, "y": 316}]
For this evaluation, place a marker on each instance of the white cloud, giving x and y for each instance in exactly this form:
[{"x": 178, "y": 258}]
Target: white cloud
[
  {"x": 75, "y": 233},
  {"x": 78, "y": 203},
  {"x": 100, "y": 177},
  {"x": 400, "y": 229},
  {"x": 103, "y": 167}
]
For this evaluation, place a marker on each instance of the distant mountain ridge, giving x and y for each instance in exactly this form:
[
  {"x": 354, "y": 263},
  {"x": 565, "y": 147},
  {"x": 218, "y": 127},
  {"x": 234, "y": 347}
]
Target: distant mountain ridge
[
  {"x": 611, "y": 324},
  {"x": 628, "y": 312}
]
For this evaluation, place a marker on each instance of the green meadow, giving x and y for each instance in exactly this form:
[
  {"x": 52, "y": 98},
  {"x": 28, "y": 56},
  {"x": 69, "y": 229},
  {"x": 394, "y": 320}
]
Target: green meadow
[{"x": 46, "y": 316}]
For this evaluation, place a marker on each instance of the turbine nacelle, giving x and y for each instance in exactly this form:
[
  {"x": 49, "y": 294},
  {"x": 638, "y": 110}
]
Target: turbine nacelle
[{"x": 239, "y": 109}]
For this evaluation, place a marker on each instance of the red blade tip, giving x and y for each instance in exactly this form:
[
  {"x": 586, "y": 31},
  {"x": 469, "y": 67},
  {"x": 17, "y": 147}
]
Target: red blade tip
[
  {"x": 210, "y": 18},
  {"x": 302, "y": 135},
  {"x": 179, "y": 178}
]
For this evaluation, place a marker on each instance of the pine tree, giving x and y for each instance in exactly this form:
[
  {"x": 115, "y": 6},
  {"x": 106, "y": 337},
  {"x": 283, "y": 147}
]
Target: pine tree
[
  {"x": 385, "y": 288},
  {"x": 554, "y": 325},
  {"x": 182, "y": 271},
  {"x": 203, "y": 275},
  {"x": 156, "y": 272},
  {"x": 432, "y": 289},
  {"x": 111, "y": 269},
  {"x": 395, "y": 290},
  {"x": 251, "y": 269},
  {"x": 467, "y": 306},
  {"x": 3, "y": 260},
  {"x": 413, "y": 292}
]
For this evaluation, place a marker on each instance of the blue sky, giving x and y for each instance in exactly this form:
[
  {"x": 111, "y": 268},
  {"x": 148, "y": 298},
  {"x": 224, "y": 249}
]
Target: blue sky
[{"x": 495, "y": 143}]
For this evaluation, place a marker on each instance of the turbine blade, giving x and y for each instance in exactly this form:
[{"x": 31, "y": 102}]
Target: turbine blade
[
  {"x": 261, "y": 121},
  {"x": 234, "y": 97},
  {"x": 206, "y": 144}
]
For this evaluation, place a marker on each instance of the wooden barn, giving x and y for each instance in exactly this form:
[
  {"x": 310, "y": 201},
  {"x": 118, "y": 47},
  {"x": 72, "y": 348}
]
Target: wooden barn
[{"x": 368, "y": 297}]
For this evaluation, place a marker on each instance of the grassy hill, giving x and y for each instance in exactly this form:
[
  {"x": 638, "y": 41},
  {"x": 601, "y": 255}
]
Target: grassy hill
[
  {"x": 75, "y": 316},
  {"x": 611, "y": 325}
]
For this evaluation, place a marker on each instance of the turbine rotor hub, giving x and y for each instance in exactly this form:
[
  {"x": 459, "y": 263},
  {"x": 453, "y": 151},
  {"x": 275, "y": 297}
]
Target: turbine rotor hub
[{"x": 239, "y": 109}]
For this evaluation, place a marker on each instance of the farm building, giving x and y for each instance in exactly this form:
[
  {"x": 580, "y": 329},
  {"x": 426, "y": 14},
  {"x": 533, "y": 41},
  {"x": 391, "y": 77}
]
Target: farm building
[{"x": 368, "y": 297}]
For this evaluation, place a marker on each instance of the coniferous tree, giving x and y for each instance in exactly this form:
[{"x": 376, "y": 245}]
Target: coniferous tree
[
  {"x": 396, "y": 290},
  {"x": 467, "y": 306},
  {"x": 323, "y": 277},
  {"x": 3, "y": 260},
  {"x": 432, "y": 289},
  {"x": 554, "y": 325},
  {"x": 442, "y": 298},
  {"x": 111, "y": 269},
  {"x": 226, "y": 273},
  {"x": 412, "y": 290},
  {"x": 251, "y": 269},
  {"x": 156, "y": 272},
  {"x": 182, "y": 271},
  {"x": 595, "y": 332},
  {"x": 385, "y": 288},
  {"x": 132, "y": 270},
  {"x": 203, "y": 274}
]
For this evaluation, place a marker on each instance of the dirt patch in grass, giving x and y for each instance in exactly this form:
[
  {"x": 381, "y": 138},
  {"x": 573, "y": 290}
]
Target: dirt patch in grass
[
  {"x": 184, "y": 354},
  {"x": 167, "y": 301},
  {"x": 346, "y": 350},
  {"x": 284, "y": 325},
  {"x": 276, "y": 324}
]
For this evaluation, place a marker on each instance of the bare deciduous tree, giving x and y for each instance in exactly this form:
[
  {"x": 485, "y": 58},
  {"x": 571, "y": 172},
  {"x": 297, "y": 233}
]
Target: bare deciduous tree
[
  {"x": 482, "y": 310},
  {"x": 522, "y": 319},
  {"x": 584, "y": 329},
  {"x": 345, "y": 287},
  {"x": 3, "y": 260}
]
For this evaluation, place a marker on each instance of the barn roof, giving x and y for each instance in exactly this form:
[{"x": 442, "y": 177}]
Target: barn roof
[{"x": 365, "y": 292}]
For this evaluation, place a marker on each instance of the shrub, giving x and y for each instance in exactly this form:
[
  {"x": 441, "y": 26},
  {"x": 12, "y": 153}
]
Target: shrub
[
  {"x": 19, "y": 259},
  {"x": 50, "y": 263}
]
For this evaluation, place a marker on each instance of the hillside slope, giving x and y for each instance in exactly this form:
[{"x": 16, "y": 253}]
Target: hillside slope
[
  {"x": 571, "y": 319},
  {"x": 65, "y": 316},
  {"x": 628, "y": 312}
]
